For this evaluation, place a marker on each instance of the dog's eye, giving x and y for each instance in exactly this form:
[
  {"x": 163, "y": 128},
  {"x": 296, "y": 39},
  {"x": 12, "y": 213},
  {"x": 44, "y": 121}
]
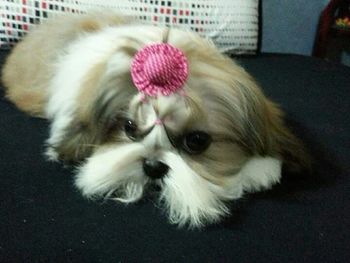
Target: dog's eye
[
  {"x": 196, "y": 142},
  {"x": 130, "y": 129}
]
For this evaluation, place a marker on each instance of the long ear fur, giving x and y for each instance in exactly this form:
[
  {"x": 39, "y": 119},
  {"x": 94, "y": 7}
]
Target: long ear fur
[
  {"x": 98, "y": 119},
  {"x": 78, "y": 142},
  {"x": 266, "y": 131},
  {"x": 284, "y": 142}
]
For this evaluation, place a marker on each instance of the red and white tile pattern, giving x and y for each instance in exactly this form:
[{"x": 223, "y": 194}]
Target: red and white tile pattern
[{"x": 232, "y": 24}]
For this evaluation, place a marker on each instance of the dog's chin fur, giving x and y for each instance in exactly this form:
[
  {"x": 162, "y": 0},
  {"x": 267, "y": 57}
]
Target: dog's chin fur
[{"x": 82, "y": 84}]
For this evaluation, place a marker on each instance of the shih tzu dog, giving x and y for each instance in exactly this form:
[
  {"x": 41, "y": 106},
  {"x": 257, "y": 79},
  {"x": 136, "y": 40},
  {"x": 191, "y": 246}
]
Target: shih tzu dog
[{"x": 136, "y": 106}]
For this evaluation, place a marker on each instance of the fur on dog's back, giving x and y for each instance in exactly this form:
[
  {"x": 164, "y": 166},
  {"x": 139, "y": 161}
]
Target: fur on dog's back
[{"x": 26, "y": 75}]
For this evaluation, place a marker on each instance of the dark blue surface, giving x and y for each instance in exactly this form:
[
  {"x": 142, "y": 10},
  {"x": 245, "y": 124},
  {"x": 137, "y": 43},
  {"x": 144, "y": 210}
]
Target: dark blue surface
[{"x": 43, "y": 218}]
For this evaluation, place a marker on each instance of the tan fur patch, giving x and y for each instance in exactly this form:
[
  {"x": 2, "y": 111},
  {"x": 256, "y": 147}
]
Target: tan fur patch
[
  {"x": 31, "y": 102},
  {"x": 90, "y": 25},
  {"x": 89, "y": 91},
  {"x": 26, "y": 75},
  {"x": 93, "y": 21}
]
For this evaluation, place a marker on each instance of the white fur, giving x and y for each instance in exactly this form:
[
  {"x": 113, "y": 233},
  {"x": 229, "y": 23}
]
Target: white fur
[
  {"x": 116, "y": 168},
  {"x": 260, "y": 173},
  {"x": 191, "y": 199}
]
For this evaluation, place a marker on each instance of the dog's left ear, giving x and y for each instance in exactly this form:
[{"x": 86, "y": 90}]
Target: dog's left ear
[
  {"x": 282, "y": 141},
  {"x": 265, "y": 129}
]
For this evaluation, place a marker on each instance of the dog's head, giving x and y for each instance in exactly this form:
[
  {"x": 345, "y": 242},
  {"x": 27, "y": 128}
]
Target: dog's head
[{"x": 219, "y": 139}]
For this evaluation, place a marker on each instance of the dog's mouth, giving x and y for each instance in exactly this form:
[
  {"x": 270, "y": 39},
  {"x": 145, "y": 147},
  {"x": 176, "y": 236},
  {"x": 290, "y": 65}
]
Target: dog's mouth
[
  {"x": 144, "y": 182},
  {"x": 148, "y": 187}
]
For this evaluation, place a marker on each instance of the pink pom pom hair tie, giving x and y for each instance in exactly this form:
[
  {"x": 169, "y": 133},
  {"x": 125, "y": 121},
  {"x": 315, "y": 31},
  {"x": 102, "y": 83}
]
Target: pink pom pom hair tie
[
  {"x": 159, "y": 69},
  {"x": 158, "y": 122}
]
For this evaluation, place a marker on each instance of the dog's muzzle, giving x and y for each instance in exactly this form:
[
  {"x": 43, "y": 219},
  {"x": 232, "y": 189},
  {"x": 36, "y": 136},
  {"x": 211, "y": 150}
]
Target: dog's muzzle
[{"x": 154, "y": 168}]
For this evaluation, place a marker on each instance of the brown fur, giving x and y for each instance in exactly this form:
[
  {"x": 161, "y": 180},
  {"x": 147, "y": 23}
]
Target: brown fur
[
  {"x": 26, "y": 75},
  {"x": 89, "y": 92}
]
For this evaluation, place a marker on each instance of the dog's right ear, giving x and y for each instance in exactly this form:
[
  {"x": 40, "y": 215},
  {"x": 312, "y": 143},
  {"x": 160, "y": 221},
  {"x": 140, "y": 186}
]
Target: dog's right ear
[
  {"x": 78, "y": 142},
  {"x": 99, "y": 116}
]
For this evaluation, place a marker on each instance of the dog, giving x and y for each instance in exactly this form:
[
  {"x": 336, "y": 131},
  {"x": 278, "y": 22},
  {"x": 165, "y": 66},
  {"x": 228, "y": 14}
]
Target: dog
[{"x": 210, "y": 142}]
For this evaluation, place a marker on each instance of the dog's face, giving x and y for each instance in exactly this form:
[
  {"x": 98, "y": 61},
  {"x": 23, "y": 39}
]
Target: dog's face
[
  {"x": 209, "y": 144},
  {"x": 192, "y": 145},
  {"x": 177, "y": 143}
]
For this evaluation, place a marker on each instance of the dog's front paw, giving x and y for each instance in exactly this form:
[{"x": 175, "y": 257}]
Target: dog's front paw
[
  {"x": 113, "y": 172},
  {"x": 261, "y": 173},
  {"x": 51, "y": 154}
]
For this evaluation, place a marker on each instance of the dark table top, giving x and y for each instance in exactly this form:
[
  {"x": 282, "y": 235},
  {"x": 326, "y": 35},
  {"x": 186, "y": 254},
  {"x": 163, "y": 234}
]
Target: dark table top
[{"x": 43, "y": 218}]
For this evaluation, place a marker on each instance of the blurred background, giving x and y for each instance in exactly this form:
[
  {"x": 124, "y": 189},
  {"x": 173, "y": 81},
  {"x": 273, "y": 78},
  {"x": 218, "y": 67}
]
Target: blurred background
[{"x": 289, "y": 26}]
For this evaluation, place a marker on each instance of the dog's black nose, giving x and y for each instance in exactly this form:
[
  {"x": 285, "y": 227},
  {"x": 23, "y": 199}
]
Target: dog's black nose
[{"x": 154, "y": 169}]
